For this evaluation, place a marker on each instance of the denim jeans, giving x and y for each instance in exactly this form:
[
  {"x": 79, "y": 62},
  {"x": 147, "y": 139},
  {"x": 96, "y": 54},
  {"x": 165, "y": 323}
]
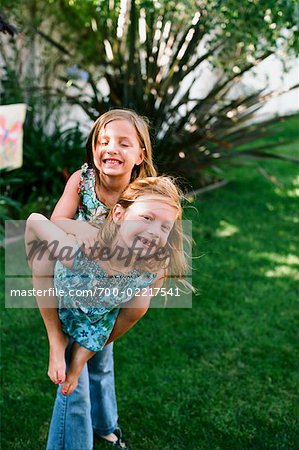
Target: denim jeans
[{"x": 91, "y": 407}]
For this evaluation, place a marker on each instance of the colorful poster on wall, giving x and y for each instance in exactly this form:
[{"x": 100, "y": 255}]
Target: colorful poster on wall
[{"x": 11, "y": 135}]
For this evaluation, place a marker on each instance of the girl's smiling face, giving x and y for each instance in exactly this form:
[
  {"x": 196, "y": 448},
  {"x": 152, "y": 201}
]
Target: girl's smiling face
[
  {"x": 118, "y": 149},
  {"x": 146, "y": 224}
]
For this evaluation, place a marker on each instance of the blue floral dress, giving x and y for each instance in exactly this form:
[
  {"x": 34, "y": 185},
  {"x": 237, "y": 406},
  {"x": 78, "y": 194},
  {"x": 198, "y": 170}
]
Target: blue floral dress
[{"x": 90, "y": 302}]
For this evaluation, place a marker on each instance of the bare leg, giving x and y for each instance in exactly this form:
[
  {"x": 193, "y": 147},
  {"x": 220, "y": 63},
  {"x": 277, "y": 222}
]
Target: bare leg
[
  {"x": 128, "y": 316},
  {"x": 58, "y": 341},
  {"x": 42, "y": 278},
  {"x": 132, "y": 311},
  {"x": 80, "y": 356}
]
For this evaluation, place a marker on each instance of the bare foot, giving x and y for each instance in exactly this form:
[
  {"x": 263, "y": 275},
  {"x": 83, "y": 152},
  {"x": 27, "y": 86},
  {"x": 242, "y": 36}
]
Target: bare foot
[
  {"x": 80, "y": 356},
  {"x": 57, "y": 366}
]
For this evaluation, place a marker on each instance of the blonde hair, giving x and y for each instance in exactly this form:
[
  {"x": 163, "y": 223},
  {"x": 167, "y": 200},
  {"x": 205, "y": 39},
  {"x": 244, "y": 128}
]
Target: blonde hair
[
  {"x": 141, "y": 125},
  {"x": 174, "y": 249}
]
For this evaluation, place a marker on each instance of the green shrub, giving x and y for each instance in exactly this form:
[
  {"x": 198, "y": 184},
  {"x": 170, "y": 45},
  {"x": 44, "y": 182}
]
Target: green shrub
[{"x": 48, "y": 160}]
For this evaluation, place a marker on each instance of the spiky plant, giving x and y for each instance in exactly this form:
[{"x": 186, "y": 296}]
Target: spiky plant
[{"x": 155, "y": 57}]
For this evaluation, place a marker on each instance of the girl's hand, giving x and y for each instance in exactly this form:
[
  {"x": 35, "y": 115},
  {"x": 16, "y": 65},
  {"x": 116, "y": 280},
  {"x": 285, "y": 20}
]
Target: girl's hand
[{"x": 84, "y": 233}]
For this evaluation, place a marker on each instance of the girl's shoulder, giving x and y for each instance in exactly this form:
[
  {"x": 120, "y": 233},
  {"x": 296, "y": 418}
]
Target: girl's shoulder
[
  {"x": 73, "y": 182},
  {"x": 75, "y": 176}
]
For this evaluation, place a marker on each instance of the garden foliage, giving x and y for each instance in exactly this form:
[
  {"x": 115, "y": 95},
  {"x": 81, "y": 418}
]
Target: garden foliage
[{"x": 153, "y": 57}]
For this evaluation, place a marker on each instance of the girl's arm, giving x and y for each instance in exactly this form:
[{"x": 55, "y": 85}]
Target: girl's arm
[
  {"x": 66, "y": 208},
  {"x": 133, "y": 310},
  {"x": 69, "y": 201}
]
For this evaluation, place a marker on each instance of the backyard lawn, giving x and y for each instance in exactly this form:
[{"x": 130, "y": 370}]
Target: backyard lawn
[{"x": 222, "y": 375}]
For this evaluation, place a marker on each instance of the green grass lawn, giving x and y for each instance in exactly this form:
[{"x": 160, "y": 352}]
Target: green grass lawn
[{"x": 222, "y": 375}]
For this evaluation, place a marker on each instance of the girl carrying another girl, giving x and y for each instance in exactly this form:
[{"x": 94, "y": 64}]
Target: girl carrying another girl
[
  {"x": 146, "y": 226},
  {"x": 118, "y": 152}
]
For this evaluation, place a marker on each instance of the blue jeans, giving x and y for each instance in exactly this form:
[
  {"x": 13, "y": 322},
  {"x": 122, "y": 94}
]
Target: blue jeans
[{"x": 91, "y": 407}]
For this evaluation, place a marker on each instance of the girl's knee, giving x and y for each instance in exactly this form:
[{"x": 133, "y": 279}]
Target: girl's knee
[
  {"x": 35, "y": 216},
  {"x": 30, "y": 223},
  {"x": 134, "y": 314}
]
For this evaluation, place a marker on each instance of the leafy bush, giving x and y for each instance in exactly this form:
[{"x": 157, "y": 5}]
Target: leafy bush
[
  {"x": 50, "y": 153},
  {"x": 48, "y": 161},
  {"x": 51, "y": 149},
  {"x": 142, "y": 54},
  {"x": 8, "y": 209}
]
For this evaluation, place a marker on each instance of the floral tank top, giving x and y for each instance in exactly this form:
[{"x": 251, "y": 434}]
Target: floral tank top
[{"x": 90, "y": 207}]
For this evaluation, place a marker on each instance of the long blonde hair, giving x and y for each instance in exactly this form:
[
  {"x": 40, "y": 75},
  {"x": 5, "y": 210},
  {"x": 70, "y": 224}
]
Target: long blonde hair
[
  {"x": 174, "y": 249},
  {"x": 141, "y": 125}
]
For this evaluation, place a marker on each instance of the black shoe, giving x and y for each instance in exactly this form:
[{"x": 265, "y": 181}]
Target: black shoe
[{"x": 117, "y": 445}]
